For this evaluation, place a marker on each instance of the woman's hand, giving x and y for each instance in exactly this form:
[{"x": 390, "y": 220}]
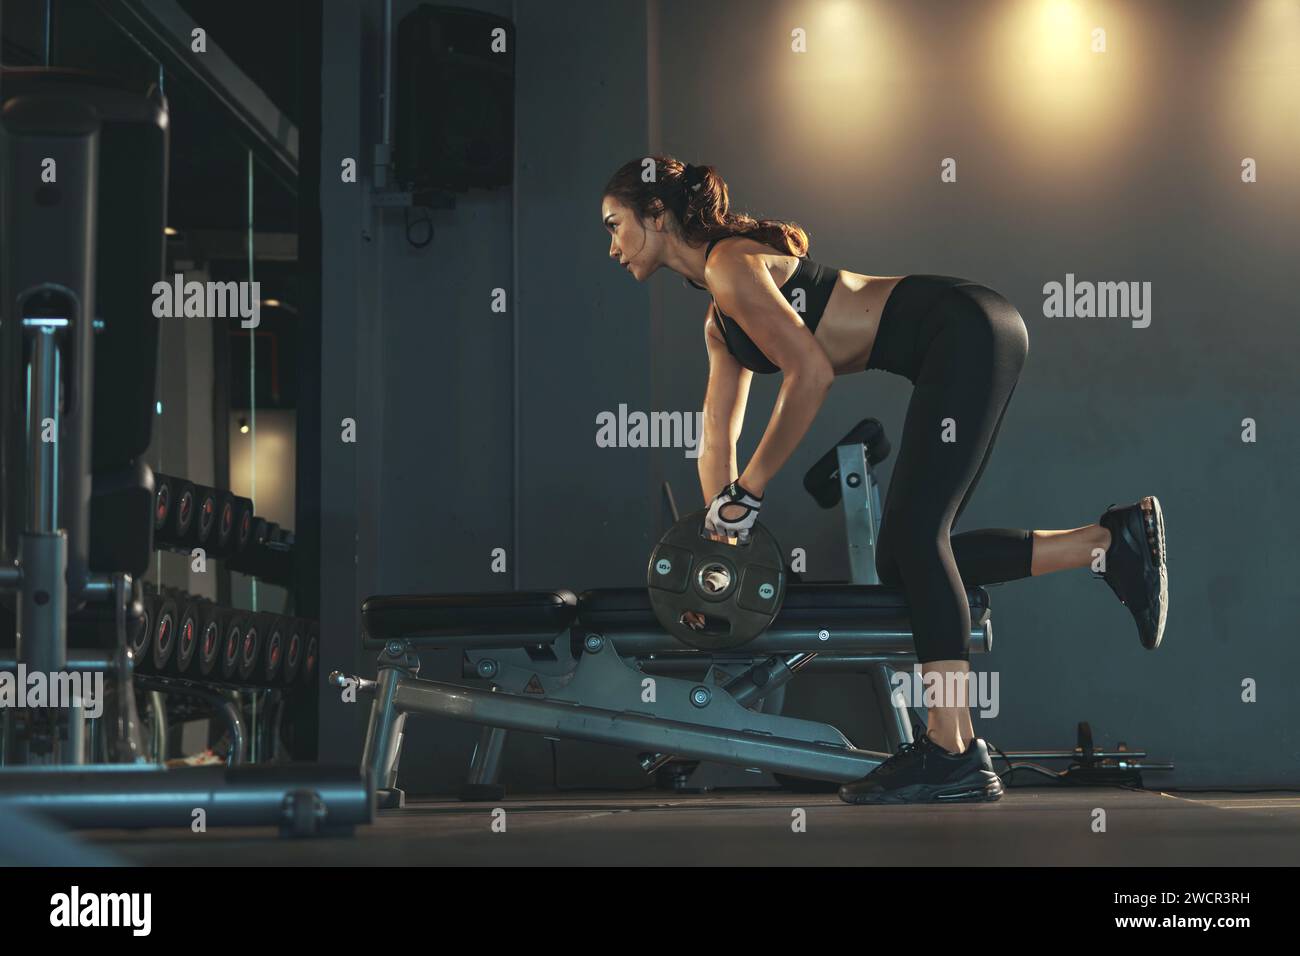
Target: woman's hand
[{"x": 732, "y": 513}]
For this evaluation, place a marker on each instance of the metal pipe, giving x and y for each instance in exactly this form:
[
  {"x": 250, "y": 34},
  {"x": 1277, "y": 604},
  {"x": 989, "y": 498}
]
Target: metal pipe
[
  {"x": 816, "y": 663},
  {"x": 48, "y": 45},
  {"x": 222, "y": 706},
  {"x": 99, "y": 587},
  {"x": 894, "y": 716},
  {"x": 888, "y": 639},
  {"x": 388, "y": 74},
  {"x": 91, "y": 661},
  {"x": 646, "y": 638},
  {"x": 42, "y": 618},
  {"x": 383, "y": 150},
  {"x": 628, "y": 729},
  {"x": 42, "y": 407},
  {"x": 384, "y": 736},
  {"x": 254, "y": 737},
  {"x": 113, "y": 796},
  {"x": 159, "y": 726},
  {"x": 122, "y": 736},
  {"x": 340, "y": 680},
  {"x": 75, "y": 749},
  {"x": 776, "y": 672},
  {"x": 485, "y": 762},
  {"x": 1070, "y": 754}
]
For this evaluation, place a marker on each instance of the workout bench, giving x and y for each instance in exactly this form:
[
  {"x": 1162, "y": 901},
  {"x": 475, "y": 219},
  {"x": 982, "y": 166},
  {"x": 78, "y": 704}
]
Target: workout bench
[{"x": 580, "y": 667}]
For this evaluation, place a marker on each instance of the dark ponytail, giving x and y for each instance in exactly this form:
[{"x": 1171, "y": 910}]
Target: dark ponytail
[{"x": 698, "y": 199}]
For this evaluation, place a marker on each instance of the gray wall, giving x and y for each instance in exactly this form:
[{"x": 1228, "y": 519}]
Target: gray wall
[{"x": 478, "y": 429}]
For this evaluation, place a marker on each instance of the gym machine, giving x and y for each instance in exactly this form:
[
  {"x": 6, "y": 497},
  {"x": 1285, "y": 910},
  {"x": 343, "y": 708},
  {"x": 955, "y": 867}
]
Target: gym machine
[{"x": 78, "y": 366}]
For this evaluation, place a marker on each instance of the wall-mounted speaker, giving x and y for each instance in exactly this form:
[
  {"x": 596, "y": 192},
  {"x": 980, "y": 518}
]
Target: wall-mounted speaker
[{"x": 454, "y": 100}]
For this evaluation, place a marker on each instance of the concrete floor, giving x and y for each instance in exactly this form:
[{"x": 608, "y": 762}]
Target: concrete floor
[{"x": 1028, "y": 827}]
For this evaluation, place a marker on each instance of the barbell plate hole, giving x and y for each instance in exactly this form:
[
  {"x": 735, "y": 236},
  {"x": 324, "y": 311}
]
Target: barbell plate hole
[
  {"x": 713, "y": 626},
  {"x": 715, "y": 580}
]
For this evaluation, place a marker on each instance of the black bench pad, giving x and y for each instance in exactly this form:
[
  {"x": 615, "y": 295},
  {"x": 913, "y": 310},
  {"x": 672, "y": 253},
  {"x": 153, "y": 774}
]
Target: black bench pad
[
  {"x": 804, "y": 605},
  {"x": 542, "y": 614}
]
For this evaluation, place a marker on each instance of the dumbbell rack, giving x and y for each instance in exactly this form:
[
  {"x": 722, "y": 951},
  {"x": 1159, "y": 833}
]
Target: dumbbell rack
[
  {"x": 74, "y": 486},
  {"x": 189, "y": 516},
  {"x": 241, "y": 662},
  {"x": 217, "y": 657}
]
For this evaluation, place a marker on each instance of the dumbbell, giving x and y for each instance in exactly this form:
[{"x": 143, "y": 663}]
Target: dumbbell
[
  {"x": 162, "y": 642},
  {"x": 211, "y": 631},
  {"x": 295, "y": 642},
  {"x": 242, "y": 533},
  {"x": 311, "y": 653},
  {"x": 272, "y": 637},
  {"x": 174, "y": 509},
  {"x": 136, "y": 613},
  {"x": 235, "y": 630},
  {"x": 205, "y": 517},
  {"x": 166, "y": 507},
  {"x": 223, "y": 525},
  {"x": 138, "y": 637},
  {"x": 162, "y": 498},
  {"x": 187, "y": 637},
  {"x": 250, "y": 648}
]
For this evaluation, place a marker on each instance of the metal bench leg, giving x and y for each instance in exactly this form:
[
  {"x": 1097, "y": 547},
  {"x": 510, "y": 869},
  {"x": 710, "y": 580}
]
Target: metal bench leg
[
  {"x": 384, "y": 735},
  {"x": 483, "y": 782},
  {"x": 774, "y": 702},
  {"x": 894, "y": 714},
  {"x": 485, "y": 765}
]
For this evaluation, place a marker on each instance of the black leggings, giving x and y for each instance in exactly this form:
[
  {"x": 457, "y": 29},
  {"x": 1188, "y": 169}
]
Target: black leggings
[{"x": 962, "y": 345}]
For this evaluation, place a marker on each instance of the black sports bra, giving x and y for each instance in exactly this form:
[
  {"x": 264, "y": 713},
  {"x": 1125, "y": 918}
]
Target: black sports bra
[{"x": 816, "y": 281}]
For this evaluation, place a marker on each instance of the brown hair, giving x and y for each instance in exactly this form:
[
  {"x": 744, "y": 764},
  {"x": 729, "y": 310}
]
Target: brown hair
[{"x": 702, "y": 212}]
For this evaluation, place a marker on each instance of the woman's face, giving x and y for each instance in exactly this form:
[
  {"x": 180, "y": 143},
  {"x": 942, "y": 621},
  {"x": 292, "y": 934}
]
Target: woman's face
[{"x": 636, "y": 246}]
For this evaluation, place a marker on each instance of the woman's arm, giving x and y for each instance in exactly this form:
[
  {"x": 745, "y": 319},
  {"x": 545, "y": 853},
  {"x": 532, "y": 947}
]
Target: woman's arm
[
  {"x": 724, "y": 412},
  {"x": 744, "y": 290}
]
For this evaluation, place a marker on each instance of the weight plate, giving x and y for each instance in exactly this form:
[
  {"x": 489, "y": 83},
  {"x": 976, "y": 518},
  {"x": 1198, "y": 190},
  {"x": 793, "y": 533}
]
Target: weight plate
[{"x": 737, "y": 588}]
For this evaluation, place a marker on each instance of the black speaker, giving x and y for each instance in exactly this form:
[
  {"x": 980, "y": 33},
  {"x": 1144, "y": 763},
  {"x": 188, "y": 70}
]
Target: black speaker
[{"x": 454, "y": 100}]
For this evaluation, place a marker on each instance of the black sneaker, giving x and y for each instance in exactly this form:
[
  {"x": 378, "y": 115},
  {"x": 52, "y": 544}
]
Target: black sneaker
[
  {"x": 1135, "y": 565},
  {"x": 923, "y": 772}
]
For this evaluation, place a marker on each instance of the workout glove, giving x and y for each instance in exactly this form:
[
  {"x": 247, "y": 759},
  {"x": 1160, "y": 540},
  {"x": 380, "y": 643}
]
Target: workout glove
[{"x": 740, "y": 527}]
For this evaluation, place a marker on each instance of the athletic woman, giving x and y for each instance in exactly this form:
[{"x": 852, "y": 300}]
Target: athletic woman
[{"x": 962, "y": 346}]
